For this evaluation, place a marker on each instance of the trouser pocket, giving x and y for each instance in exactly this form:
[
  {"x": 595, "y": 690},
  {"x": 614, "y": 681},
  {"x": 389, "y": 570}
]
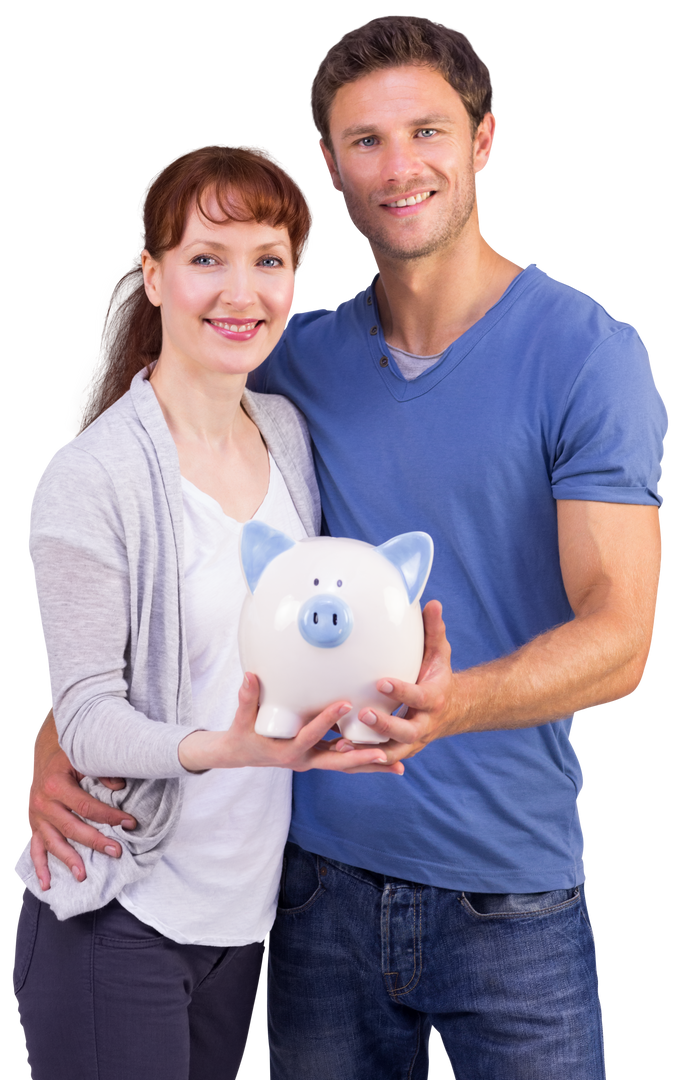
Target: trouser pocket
[{"x": 27, "y": 931}]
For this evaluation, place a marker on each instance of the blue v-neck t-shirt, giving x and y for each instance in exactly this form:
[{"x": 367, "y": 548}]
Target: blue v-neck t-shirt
[{"x": 546, "y": 397}]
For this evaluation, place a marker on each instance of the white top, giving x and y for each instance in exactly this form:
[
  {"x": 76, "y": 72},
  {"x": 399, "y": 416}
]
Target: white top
[{"x": 217, "y": 882}]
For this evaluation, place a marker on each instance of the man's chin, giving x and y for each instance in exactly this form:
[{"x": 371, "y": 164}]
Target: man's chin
[
  {"x": 405, "y": 244},
  {"x": 407, "y": 252}
]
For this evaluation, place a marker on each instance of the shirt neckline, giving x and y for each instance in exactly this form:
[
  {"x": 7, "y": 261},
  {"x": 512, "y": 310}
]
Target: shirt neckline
[
  {"x": 405, "y": 389},
  {"x": 212, "y": 504}
]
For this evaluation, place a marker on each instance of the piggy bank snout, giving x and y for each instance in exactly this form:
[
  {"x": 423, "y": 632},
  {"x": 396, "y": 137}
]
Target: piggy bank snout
[{"x": 325, "y": 621}]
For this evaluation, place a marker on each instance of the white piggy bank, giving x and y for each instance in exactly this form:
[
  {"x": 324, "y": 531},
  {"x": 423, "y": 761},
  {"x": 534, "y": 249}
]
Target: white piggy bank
[{"x": 325, "y": 619}]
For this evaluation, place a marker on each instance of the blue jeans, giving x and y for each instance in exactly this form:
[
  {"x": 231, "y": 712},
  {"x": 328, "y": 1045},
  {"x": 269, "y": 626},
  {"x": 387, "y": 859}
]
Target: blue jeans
[{"x": 361, "y": 967}]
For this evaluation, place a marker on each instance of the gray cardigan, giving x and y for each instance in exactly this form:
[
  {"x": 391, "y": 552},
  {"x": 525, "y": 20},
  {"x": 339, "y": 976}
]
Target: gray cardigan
[{"x": 107, "y": 546}]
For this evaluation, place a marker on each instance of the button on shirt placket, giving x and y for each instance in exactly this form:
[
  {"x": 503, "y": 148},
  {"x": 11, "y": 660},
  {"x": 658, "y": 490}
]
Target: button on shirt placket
[{"x": 374, "y": 331}]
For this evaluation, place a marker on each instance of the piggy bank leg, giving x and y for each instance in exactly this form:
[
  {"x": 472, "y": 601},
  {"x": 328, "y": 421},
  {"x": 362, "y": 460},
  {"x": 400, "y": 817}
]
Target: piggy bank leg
[
  {"x": 277, "y": 723},
  {"x": 357, "y": 732}
]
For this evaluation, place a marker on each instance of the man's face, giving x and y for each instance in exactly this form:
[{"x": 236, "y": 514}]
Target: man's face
[{"x": 403, "y": 136}]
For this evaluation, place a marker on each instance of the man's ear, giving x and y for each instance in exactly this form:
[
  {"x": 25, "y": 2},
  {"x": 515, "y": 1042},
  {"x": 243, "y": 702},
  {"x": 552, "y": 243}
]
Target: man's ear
[
  {"x": 331, "y": 165},
  {"x": 482, "y": 143}
]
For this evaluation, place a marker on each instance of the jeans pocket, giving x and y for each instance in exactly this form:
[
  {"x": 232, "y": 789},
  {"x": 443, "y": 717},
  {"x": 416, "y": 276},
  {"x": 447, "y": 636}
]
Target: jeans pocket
[
  {"x": 27, "y": 931},
  {"x": 301, "y": 882},
  {"x": 519, "y": 905}
]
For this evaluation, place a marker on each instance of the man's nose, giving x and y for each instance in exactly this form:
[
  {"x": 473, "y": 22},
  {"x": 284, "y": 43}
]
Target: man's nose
[{"x": 401, "y": 162}]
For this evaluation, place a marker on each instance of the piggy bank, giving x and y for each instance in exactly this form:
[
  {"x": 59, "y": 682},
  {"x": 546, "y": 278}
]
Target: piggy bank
[{"x": 324, "y": 619}]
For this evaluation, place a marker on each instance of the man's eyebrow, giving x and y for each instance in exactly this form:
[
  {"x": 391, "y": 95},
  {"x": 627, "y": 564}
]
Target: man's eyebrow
[{"x": 420, "y": 122}]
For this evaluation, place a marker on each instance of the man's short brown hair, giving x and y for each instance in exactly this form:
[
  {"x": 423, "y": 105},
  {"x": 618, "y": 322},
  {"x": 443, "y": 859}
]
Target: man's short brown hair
[{"x": 395, "y": 41}]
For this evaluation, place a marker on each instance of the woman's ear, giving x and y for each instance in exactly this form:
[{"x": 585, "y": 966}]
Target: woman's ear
[{"x": 151, "y": 273}]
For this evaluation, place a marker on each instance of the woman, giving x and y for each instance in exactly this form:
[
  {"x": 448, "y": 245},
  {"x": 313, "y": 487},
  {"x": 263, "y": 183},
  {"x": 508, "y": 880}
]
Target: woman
[{"x": 148, "y": 967}]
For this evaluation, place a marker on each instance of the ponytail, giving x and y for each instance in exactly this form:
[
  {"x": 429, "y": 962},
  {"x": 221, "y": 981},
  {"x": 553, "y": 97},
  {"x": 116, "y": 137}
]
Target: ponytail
[{"x": 131, "y": 341}]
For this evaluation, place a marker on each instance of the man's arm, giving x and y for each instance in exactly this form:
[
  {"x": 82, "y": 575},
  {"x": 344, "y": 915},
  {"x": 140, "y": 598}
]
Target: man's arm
[
  {"x": 55, "y": 803},
  {"x": 610, "y": 558}
]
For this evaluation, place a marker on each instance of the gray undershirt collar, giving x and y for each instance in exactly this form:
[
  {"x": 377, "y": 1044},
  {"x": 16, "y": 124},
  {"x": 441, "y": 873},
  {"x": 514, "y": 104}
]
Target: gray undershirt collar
[{"x": 411, "y": 365}]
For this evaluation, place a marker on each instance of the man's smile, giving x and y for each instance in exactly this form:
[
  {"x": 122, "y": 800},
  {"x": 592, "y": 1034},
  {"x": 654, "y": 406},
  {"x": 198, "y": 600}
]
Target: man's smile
[
  {"x": 411, "y": 200},
  {"x": 407, "y": 204}
]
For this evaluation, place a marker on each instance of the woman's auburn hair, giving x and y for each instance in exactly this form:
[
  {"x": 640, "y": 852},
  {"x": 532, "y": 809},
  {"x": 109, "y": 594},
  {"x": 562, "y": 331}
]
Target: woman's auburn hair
[
  {"x": 398, "y": 41},
  {"x": 247, "y": 186}
]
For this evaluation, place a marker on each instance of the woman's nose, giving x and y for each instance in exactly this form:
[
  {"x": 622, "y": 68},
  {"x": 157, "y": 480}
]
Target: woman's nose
[{"x": 238, "y": 290}]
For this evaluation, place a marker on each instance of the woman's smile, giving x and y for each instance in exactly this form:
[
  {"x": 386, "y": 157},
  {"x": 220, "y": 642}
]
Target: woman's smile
[{"x": 236, "y": 329}]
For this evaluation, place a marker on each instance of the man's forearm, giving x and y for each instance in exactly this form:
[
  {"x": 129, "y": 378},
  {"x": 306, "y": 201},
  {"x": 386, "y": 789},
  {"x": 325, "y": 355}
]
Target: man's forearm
[
  {"x": 610, "y": 556},
  {"x": 584, "y": 662},
  {"x": 610, "y": 560}
]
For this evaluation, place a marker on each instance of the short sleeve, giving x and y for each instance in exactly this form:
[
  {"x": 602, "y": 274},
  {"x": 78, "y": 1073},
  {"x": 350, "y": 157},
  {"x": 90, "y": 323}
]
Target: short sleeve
[{"x": 609, "y": 444}]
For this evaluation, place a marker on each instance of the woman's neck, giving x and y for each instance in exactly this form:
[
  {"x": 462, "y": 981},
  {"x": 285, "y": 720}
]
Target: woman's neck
[
  {"x": 219, "y": 448},
  {"x": 199, "y": 406}
]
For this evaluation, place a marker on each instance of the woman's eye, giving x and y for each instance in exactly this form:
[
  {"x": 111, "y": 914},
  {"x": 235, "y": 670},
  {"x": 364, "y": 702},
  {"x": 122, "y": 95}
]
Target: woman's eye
[
  {"x": 203, "y": 260},
  {"x": 271, "y": 260}
]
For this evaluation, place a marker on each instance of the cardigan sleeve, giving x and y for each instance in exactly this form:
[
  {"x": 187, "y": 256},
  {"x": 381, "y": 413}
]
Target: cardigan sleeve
[{"x": 81, "y": 566}]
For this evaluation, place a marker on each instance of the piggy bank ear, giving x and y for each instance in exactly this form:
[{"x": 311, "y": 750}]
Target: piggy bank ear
[
  {"x": 259, "y": 545},
  {"x": 412, "y": 554}
]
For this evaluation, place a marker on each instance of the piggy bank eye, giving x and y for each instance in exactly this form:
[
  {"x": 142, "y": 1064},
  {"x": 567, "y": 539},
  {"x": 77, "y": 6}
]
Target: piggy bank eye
[
  {"x": 316, "y": 581},
  {"x": 339, "y": 583}
]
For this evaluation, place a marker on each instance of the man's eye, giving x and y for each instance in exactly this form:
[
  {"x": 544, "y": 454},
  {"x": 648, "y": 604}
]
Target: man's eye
[
  {"x": 204, "y": 260},
  {"x": 427, "y": 132},
  {"x": 368, "y": 140}
]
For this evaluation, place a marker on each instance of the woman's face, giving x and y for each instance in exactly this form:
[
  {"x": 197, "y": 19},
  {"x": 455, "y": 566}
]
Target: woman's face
[{"x": 225, "y": 292}]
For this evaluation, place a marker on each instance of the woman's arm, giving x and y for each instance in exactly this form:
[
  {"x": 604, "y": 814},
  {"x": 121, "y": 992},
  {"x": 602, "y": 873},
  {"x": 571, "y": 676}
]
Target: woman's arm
[
  {"x": 57, "y": 802},
  {"x": 79, "y": 546}
]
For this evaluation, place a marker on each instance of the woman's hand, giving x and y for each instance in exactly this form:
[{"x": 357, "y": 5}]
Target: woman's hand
[
  {"x": 56, "y": 806},
  {"x": 240, "y": 746}
]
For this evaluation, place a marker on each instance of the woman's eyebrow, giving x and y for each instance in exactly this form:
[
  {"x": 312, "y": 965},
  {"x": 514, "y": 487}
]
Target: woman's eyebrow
[{"x": 207, "y": 242}]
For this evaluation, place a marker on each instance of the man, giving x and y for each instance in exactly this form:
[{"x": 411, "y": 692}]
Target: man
[{"x": 516, "y": 422}]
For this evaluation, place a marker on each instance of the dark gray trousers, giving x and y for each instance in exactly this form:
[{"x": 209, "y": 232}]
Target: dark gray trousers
[{"x": 104, "y": 997}]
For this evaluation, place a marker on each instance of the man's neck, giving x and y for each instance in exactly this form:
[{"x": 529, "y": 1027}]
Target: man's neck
[{"x": 426, "y": 304}]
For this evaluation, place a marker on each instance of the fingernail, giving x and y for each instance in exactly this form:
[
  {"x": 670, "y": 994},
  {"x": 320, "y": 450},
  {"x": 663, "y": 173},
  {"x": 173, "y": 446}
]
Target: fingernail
[
  {"x": 247, "y": 682},
  {"x": 76, "y": 872},
  {"x": 128, "y": 823},
  {"x": 369, "y": 718},
  {"x": 111, "y": 850},
  {"x": 386, "y": 688},
  {"x": 344, "y": 710},
  {"x": 43, "y": 884},
  {"x": 380, "y": 760}
]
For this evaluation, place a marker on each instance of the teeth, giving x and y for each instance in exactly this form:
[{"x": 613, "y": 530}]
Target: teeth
[
  {"x": 232, "y": 327},
  {"x": 412, "y": 200}
]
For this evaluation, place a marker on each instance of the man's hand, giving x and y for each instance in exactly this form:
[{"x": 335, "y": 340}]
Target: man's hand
[
  {"x": 56, "y": 799},
  {"x": 432, "y": 703}
]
